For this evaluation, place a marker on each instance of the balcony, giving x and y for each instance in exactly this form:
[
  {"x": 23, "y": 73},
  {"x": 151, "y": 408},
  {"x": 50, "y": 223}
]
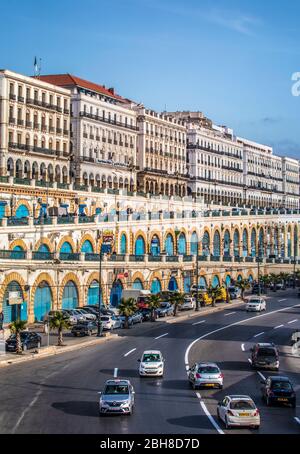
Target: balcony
[
  {"x": 17, "y": 221},
  {"x": 28, "y": 124},
  {"x": 92, "y": 257},
  {"x": 59, "y": 109},
  {"x": 12, "y": 97},
  {"x": 136, "y": 258},
  {"x": 20, "y": 122},
  {"x": 188, "y": 258},
  {"x": 39, "y": 255},
  {"x": 36, "y": 125},
  {"x": 69, "y": 256},
  {"x": 12, "y": 120},
  {"x": 108, "y": 120},
  {"x": 154, "y": 258},
  {"x": 51, "y": 129},
  {"x": 58, "y": 130},
  {"x": 65, "y": 220},
  {"x": 86, "y": 219},
  {"x": 12, "y": 255},
  {"x": 172, "y": 258}
]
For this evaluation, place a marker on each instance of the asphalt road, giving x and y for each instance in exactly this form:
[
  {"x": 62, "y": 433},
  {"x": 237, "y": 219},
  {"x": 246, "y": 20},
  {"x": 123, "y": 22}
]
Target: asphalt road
[{"x": 59, "y": 394}]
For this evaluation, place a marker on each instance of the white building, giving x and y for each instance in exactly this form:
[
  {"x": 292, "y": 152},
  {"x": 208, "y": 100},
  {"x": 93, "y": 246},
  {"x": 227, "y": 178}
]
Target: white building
[{"x": 104, "y": 134}]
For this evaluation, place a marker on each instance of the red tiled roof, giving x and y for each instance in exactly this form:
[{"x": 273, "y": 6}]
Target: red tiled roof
[{"x": 68, "y": 80}]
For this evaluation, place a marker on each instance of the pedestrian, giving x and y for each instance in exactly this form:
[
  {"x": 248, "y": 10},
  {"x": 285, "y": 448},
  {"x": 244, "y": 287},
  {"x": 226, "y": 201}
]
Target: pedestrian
[{"x": 1, "y": 321}]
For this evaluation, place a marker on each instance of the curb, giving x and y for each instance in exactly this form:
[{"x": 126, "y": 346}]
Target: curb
[
  {"x": 55, "y": 350},
  {"x": 205, "y": 312}
]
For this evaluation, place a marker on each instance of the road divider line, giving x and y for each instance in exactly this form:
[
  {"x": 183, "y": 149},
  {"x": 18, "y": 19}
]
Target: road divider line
[
  {"x": 297, "y": 419},
  {"x": 293, "y": 321},
  {"x": 198, "y": 323},
  {"x": 281, "y": 301},
  {"x": 212, "y": 420},
  {"x": 261, "y": 375},
  {"x": 243, "y": 347},
  {"x": 279, "y": 326},
  {"x": 163, "y": 335},
  {"x": 230, "y": 313},
  {"x": 259, "y": 334},
  {"x": 115, "y": 372},
  {"x": 130, "y": 351}
]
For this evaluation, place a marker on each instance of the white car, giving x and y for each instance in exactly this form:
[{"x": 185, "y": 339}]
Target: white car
[
  {"x": 238, "y": 411},
  {"x": 110, "y": 322},
  {"x": 189, "y": 302},
  {"x": 151, "y": 364},
  {"x": 87, "y": 315},
  {"x": 256, "y": 304}
]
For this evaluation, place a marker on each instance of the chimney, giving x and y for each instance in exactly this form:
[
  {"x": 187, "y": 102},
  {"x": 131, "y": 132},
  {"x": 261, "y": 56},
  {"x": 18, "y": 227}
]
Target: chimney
[{"x": 111, "y": 90}]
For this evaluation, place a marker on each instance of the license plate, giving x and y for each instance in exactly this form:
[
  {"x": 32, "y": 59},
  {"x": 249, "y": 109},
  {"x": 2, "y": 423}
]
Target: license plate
[
  {"x": 282, "y": 399},
  {"x": 244, "y": 414},
  {"x": 209, "y": 384}
]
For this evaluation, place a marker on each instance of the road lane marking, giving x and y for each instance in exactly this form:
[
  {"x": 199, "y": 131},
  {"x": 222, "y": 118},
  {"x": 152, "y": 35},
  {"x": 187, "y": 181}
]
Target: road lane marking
[
  {"x": 293, "y": 321},
  {"x": 163, "y": 335},
  {"x": 212, "y": 420},
  {"x": 243, "y": 347},
  {"x": 128, "y": 353},
  {"x": 261, "y": 375},
  {"x": 250, "y": 360},
  {"x": 115, "y": 372},
  {"x": 280, "y": 301},
  {"x": 279, "y": 326},
  {"x": 259, "y": 334},
  {"x": 186, "y": 356},
  {"x": 297, "y": 419},
  {"x": 198, "y": 323},
  {"x": 230, "y": 313}
]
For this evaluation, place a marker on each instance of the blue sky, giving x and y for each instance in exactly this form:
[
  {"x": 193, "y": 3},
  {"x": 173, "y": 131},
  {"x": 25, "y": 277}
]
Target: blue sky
[{"x": 231, "y": 59}]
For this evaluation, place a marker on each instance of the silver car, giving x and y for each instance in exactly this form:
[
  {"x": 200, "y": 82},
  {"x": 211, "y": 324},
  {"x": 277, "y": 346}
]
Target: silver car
[
  {"x": 117, "y": 398},
  {"x": 238, "y": 411},
  {"x": 205, "y": 374}
]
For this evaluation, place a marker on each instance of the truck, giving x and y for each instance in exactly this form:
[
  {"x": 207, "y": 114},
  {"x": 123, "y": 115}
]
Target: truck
[{"x": 139, "y": 295}]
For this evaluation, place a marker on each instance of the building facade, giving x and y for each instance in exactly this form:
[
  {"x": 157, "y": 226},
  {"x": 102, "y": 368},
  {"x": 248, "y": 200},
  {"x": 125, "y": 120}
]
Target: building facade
[{"x": 104, "y": 134}]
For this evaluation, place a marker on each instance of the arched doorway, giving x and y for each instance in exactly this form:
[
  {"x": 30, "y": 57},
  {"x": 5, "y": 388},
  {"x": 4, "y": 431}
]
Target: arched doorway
[
  {"x": 116, "y": 293},
  {"x": 253, "y": 243},
  {"x": 14, "y": 306},
  {"x": 155, "y": 286},
  {"x": 22, "y": 212},
  {"x": 215, "y": 282},
  {"x": 70, "y": 296},
  {"x": 217, "y": 245},
  {"x": 226, "y": 244},
  {"x": 206, "y": 244},
  {"x": 65, "y": 249},
  {"x": 236, "y": 243},
  {"x": 139, "y": 248},
  {"x": 181, "y": 244},
  {"x": 169, "y": 244},
  {"x": 228, "y": 281},
  {"x": 245, "y": 243},
  {"x": 155, "y": 245},
  {"x": 123, "y": 244},
  {"x": 93, "y": 294},
  {"x": 172, "y": 286},
  {"x": 42, "y": 301},
  {"x": 87, "y": 247},
  {"x": 194, "y": 243},
  {"x": 138, "y": 285},
  {"x": 202, "y": 283}
]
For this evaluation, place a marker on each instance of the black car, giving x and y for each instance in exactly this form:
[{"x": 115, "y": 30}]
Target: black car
[
  {"x": 265, "y": 356},
  {"x": 146, "y": 314},
  {"x": 85, "y": 329},
  {"x": 28, "y": 340},
  {"x": 278, "y": 389},
  {"x": 255, "y": 289}
]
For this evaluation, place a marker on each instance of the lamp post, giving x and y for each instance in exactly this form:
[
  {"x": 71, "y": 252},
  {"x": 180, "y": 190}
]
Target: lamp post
[{"x": 99, "y": 324}]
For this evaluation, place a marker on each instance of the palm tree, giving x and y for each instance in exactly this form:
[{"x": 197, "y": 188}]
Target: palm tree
[
  {"x": 274, "y": 279},
  {"x": 153, "y": 303},
  {"x": 176, "y": 300},
  {"x": 243, "y": 284},
  {"x": 127, "y": 308},
  {"x": 16, "y": 328},
  {"x": 213, "y": 293},
  {"x": 59, "y": 321}
]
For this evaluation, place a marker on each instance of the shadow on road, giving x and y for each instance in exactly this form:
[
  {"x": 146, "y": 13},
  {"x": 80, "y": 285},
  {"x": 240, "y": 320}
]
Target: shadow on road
[{"x": 78, "y": 408}]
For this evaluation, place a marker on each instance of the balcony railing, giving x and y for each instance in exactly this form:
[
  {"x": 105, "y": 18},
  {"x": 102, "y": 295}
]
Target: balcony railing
[
  {"x": 69, "y": 256},
  {"x": 86, "y": 219},
  {"x": 12, "y": 255},
  {"x": 65, "y": 220},
  {"x": 172, "y": 258},
  {"x": 39, "y": 255},
  {"x": 136, "y": 258},
  {"x": 108, "y": 120}
]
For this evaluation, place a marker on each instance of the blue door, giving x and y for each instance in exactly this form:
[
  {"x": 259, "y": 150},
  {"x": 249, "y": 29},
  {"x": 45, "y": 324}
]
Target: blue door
[
  {"x": 155, "y": 286},
  {"x": 228, "y": 281},
  {"x": 123, "y": 245},
  {"x": 93, "y": 294},
  {"x": 217, "y": 245},
  {"x": 202, "y": 282},
  {"x": 206, "y": 244},
  {"x": 138, "y": 284},
  {"x": 181, "y": 244},
  {"x": 17, "y": 253},
  {"x": 139, "y": 246},
  {"x": 87, "y": 247},
  {"x": 42, "y": 301},
  {"x": 12, "y": 312},
  {"x": 215, "y": 282},
  {"x": 66, "y": 248},
  {"x": 115, "y": 294},
  {"x": 155, "y": 246},
  {"x": 187, "y": 284},
  {"x": 194, "y": 244},
  {"x": 169, "y": 245},
  {"x": 227, "y": 244},
  {"x": 2, "y": 209},
  {"x": 172, "y": 284},
  {"x": 22, "y": 212},
  {"x": 70, "y": 296}
]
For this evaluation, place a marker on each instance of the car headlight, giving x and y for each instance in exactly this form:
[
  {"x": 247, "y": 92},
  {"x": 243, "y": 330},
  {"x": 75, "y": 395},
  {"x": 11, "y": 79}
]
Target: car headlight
[
  {"x": 160, "y": 365},
  {"x": 125, "y": 404}
]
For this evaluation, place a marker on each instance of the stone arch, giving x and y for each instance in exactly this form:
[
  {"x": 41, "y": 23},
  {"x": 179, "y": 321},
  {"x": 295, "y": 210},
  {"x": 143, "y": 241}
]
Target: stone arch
[
  {"x": 19, "y": 243},
  {"x": 70, "y": 277},
  {"x": 155, "y": 275},
  {"x": 25, "y": 203},
  {"x": 140, "y": 276},
  {"x": 87, "y": 237},
  {"x": 121, "y": 234},
  {"x": 46, "y": 241},
  {"x": 43, "y": 277},
  {"x": 9, "y": 278},
  {"x": 94, "y": 277},
  {"x": 68, "y": 239}
]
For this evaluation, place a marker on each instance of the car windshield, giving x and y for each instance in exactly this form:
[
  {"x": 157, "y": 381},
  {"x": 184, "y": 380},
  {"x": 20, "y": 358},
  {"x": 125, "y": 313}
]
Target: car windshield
[
  {"x": 208, "y": 370},
  {"x": 105, "y": 319},
  {"x": 116, "y": 389},
  {"x": 23, "y": 336},
  {"x": 266, "y": 352},
  {"x": 242, "y": 405},
  {"x": 282, "y": 386},
  {"x": 151, "y": 357},
  {"x": 163, "y": 305}
]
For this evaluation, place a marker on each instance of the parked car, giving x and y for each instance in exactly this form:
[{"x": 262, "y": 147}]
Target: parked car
[
  {"x": 111, "y": 322},
  {"x": 255, "y": 289},
  {"x": 280, "y": 285},
  {"x": 295, "y": 336},
  {"x": 206, "y": 375},
  {"x": 234, "y": 292},
  {"x": 146, "y": 314},
  {"x": 189, "y": 302},
  {"x": 265, "y": 356},
  {"x": 256, "y": 304},
  {"x": 87, "y": 315},
  {"x": 151, "y": 364},
  {"x": 277, "y": 389},
  {"x": 117, "y": 397},
  {"x": 75, "y": 317},
  {"x": 29, "y": 340},
  {"x": 85, "y": 328},
  {"x": 238, "y": 411},
  {"x": 72, "y": 319},
  {"x": 165, "y": 309}
]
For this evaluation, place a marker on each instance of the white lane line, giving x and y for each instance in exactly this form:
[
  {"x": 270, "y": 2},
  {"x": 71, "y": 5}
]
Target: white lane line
[
  {"x": 297, "y": 419},
  {"x": 279, "y": 326},
  {"x": 163, "y": 335},
  {"x": 187, "y": 352},
  {"x": 293, "y": 321},
  {"x": 230, "y": 313},
  {"x": 212, "y": 420},
  {"x": 283, "y": 299},
  {"x": 198, "y": 323},
  {"x": 128, "y": 353},
  {"x": 115, "y": 372},
  {"x": 243, "y": 347},
  {"x": 259, "y": 334},
  {"x": 261, "y": 375},
  {"x": 250, "y": 360}
]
